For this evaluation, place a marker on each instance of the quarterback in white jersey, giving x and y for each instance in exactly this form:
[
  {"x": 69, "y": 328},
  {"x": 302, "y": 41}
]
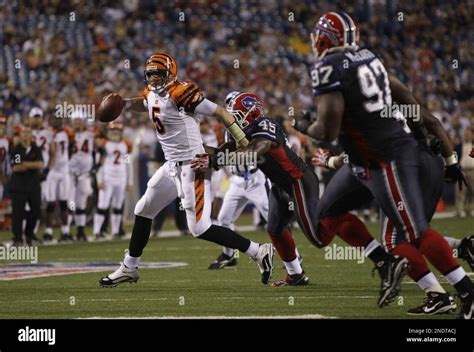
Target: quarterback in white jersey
[
  {"x": 80, "y": 166},
  {"x": 57, "y": 181},
  {"x": 113, "y": 179},
  {"x": 173, "y": 107}
]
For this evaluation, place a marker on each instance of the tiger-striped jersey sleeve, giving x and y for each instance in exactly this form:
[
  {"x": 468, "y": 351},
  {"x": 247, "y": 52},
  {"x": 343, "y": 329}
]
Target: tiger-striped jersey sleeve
[{"x": 186, "y": 95}]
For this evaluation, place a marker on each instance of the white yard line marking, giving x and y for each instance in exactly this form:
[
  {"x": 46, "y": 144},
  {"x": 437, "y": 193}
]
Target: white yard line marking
[
  {"x": 228, "y": 298},
  {"x": 303, "y": 316}
]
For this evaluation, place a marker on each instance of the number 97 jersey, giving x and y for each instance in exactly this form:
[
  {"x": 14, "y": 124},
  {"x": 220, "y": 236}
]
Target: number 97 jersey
[{"x": 370, "y": 133}]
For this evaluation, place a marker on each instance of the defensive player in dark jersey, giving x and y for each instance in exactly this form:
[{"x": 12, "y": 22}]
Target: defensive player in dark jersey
[
  {"x": 353, "y": 94},
  {"x": 431, "y": 172},
  {"x": 295, "y": 191}
]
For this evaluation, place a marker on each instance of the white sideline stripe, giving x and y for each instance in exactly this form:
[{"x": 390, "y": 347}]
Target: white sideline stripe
[
  {"x": 174, "y": 298},
  {"x": 227, "y": 317},
  {"x": 445, "y": 215}
]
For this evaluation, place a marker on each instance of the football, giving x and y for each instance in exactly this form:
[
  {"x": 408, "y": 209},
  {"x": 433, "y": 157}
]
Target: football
[{"x": 110, "y": 108}]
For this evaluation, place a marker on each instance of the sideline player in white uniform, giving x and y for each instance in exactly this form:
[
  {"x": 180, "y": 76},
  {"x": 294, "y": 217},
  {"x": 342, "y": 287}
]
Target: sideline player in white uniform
[
  {"x": 80, "y": 166},
  {"x": 5, "y": 142},
  {"x": 114, "y": 178},
  {"x": 172, "y": 106},
  {"x": 57, "y": 181},
  {"x": 43, "y": 137},
  {"x": 209, "y": 139}
]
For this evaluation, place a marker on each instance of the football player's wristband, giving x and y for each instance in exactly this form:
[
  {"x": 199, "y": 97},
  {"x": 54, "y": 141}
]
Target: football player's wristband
[
  {"x": 127, "y": 103},
  {"x": 451, "y": 160},
  {"x": 331, "y": 162},
  {"x": 236, "y": 131}
]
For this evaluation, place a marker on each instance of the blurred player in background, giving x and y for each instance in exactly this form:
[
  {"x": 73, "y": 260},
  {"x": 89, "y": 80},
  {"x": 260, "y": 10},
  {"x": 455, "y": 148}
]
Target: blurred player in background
[
  {"x": 80, "y": 167},
  {"x": 43, "y": 138},
  {"x": 209, "y": 139},
  {"x": 57, "y": 180},
  {"x": 114, "y": 178}
]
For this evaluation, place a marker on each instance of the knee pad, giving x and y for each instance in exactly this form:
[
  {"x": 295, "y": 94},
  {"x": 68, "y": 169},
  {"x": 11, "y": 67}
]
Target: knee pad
[
  {"x": 141, "y": 208},
  {"x": 63, "y": 205},
  {"x": 117, "y": 211},
  {"x": 50, "y": 207},
  {"x": 101, "y": 211}
]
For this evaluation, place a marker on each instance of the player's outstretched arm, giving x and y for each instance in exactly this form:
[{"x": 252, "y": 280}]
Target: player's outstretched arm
[
  {"x": 135, "y": 104},
  {"x": 258, "y": 145},
  {"x": 330, "y": 113},
  {"x": 402, "y": 95},
  {"x": 231, "y": 125}
]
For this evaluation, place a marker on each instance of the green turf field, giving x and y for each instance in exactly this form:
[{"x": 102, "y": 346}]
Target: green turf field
[{"x": 338, "y": 288}]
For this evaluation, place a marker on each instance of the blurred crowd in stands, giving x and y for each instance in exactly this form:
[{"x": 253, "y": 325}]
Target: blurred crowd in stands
[{"x": 76, "y": 51}]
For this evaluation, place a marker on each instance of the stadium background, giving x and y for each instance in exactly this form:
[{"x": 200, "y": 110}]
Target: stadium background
[{"x": 77, "y": 51}]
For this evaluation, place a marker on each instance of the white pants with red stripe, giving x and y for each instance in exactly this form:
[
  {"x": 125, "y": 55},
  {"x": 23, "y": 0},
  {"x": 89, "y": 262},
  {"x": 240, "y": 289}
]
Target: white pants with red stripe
[{"x": 174, "y": 180}]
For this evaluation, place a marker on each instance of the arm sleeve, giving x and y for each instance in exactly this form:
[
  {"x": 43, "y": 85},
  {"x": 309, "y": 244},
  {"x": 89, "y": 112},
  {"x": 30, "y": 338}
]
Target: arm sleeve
[{"x": 206, "y": 107}]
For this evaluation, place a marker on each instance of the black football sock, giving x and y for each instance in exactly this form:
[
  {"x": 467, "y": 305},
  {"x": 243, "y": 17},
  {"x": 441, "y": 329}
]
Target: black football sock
[
  {"x": 140, "y": 235},
  {"x": 464, "y": 285},
  {"x": 378, "y": 255},
  {"x": 225, "y": 237}
]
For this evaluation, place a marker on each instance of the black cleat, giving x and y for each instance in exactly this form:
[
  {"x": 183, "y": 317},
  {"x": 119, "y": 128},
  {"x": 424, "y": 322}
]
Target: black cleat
[
  {"x": 222, "y": 261},
  {"x": 292, "y": 280},
  {"x": 33, "y": 241},
  {"x": 47, "y": 237},
  {"x": 16, "y": 243},
  {"x": 118, "y": 236},
  {"x": 391, "y": 273},
  {"x": 99, "y": 236},
  {"x": 435, "y": 303},
  {"x": 466, "y": 250},
  {"x": 81, "y": 237},
  {"x": 65, "y": 237},
  {"x": 467, "y": 306}
]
